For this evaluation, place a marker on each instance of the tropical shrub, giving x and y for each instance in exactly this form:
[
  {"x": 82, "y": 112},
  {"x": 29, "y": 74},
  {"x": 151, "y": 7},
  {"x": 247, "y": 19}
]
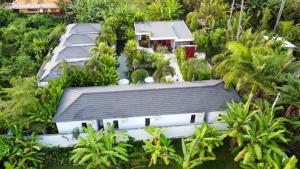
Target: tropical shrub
[
  {"x": 20, "y": 103},
  {"x": 159, "y": 146},
  {"x": 139, "y": 75},
  {"x": 259, "y": 136},
  {"x": 202, "y": 40},
  {"x": 162, "y": 69},
  {"x": 20, "y": 152},
  {"x": 199, "y": 147},
  {"x": 57, "y": 155},
  {"x": 100, "y": 149},
  {"x": 195, "y": 69}
]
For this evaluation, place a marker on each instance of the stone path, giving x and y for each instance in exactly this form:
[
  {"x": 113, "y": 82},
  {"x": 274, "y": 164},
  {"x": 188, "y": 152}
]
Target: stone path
[
  {"x": 173, "y": 62},
  {"x": 122, "y": 68}
]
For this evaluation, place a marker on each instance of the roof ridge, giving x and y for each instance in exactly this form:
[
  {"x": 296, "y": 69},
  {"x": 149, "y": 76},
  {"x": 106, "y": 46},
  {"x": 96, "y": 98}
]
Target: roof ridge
[
  {"x": 156, "y": 86},
  {"x": 61, "y": 112}
]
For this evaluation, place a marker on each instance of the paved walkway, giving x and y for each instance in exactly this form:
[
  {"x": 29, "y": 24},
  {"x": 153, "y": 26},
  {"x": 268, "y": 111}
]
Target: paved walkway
[
  {"x": 122, "y": 68},
  {"x": 173, "y": 62}
]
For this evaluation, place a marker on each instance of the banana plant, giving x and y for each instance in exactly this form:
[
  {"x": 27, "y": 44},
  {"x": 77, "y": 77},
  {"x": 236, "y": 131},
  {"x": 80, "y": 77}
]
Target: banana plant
[
  {"x": 159, "y": 146},
  {"x": 100, "y": 149},
  {"x": 199, "y": 147}
]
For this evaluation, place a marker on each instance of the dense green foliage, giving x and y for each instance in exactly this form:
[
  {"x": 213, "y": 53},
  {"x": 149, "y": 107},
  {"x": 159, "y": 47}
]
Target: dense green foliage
[
  {"x": 193, "y": 69},
  {"x": 100, "y": 149},
  {"x": 259, "y": 135},
  {"x": 24, "y": 43},
  {"x": 229, "y": 32},
  {"x": 199, "y": 147},
  {"x": 20, "y": 152}
]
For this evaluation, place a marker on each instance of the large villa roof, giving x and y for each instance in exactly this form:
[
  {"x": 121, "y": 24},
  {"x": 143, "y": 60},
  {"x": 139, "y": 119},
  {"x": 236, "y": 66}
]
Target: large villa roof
[
  {"x": 163, "y": 30},
  {"x": 74, "y": 48},
  {"x": 91, "y": 103}
]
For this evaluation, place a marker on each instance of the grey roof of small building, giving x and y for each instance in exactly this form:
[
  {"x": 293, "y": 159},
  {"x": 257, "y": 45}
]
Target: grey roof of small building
[
  {"x": 74, "y": 48},
  {"x": 57, "y": 71},
  {"x": 79, "y": 39},
  {"x": 78, "y": 28},
  {"x": 91, "y": 103},
  {"x": 177, "y": 30},
  {"x": 74, "y": 52}
]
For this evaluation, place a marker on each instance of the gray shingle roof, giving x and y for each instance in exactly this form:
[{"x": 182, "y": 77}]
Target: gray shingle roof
[
  {"x": 90, "y": 103},
  {"x": 78, "y": 39},
  {"x": 74, "y": 52},
  {"x": 83, "y": 28},
  {"x": 74, "y": 48},
  {"x": 177, "y": 30}
]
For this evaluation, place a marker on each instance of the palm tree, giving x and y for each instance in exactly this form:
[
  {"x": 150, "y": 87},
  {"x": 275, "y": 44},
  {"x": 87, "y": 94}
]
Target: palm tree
[
  {"x": 199, "y": 147},
  {"x": 163, "y": 69},
  {"x": 279, "y": 14},
  {"x": 257, "y": 67},
  {"x": 172, "y": 9},
  {"x": 231, "y": 13},
  {"x": 100, "y": 149},
  {"x": 102, "y": 49},
  {"x": 159, "y": 146},
  {"x": 240, "y": 21}
]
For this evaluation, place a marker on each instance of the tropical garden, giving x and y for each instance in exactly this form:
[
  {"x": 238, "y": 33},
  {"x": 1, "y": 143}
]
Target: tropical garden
[{"x": 239, "y": 40}]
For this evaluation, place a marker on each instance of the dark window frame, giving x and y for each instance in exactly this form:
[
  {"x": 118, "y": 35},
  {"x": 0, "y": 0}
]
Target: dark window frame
[
  {"x": 193, "y": 118},
  {"x": 84, "y": 125},
  {"x": 116, "y": 124},
  {"x": 147, "y": 121}
]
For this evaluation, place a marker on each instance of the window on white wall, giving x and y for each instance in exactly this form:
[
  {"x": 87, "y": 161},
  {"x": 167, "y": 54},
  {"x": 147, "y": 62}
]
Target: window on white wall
[
  {"x": 193, "y": 118},
  {"x": 116, "y": 124},
  {"x": 147, "y": 121},
  {"x": 84, "y": 125}
]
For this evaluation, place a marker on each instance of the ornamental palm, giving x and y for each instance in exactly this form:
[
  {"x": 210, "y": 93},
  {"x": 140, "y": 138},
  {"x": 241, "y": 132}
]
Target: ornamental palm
[
  {"x": 199, "y": 147},
  {"x": 256, "y": 67},
  {"x": 163, "y": 69},
  {"x": 158, "y": 146},
  {"x": 100, "y": 149}
]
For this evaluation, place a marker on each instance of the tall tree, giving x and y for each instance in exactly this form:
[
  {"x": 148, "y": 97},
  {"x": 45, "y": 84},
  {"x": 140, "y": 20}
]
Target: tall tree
[
  {"x": 231, "y": 13},
  {"x": 257, "y": 67},
  {"x": 240, "y": 21},
  {"x": 279, "y": 15}
]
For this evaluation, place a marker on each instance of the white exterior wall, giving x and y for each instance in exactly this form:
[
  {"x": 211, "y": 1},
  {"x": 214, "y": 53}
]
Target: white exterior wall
[
  {"x": 211, "y": 117},
  {"x": 67, "y": 127},
  {"x": 139, "y": 122},
  {"x": 160, "y": 121}
]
